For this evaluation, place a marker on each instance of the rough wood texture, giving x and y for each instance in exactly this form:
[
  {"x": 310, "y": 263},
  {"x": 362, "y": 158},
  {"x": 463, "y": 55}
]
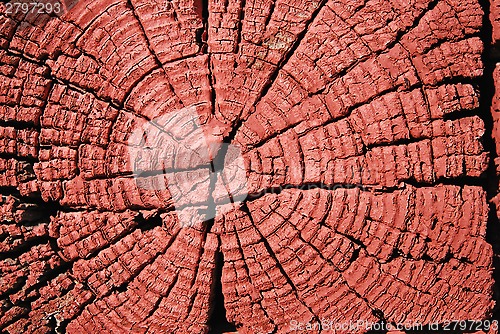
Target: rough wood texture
[
  {"x": 362, "y": 145},
  {"x": 495, "y": 112},
  {"x": 494, "y": 64},
  {"x": 495, "y": 20}
]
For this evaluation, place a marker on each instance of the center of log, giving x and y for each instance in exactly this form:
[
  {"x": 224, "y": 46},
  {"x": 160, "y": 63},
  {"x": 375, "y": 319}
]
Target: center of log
[{"x": 175, "y": 152}]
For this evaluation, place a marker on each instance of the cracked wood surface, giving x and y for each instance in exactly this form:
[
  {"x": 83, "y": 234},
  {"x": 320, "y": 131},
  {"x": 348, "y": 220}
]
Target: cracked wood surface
[{"x": 362, "y": 139}]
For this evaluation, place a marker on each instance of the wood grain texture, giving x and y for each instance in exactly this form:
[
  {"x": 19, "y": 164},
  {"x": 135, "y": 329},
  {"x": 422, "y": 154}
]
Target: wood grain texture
[{"x": 362, "y": 137}]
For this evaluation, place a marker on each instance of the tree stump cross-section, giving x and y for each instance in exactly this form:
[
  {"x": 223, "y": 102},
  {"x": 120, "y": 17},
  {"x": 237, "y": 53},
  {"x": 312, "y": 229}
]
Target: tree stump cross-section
[{"x": 187, "y": 166}]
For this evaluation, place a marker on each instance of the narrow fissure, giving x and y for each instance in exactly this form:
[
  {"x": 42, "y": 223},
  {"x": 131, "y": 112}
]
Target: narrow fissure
[
  {"x": 201, "y": 8},
  {"x": 487, "y": 89},
  {"x": 216, "y": 169},
  {"x": 290, "y": 52},
  {"x": 218, "y": 322},
  {"x": 461, "y": 181},
  {"x": 211, "y": 210}
]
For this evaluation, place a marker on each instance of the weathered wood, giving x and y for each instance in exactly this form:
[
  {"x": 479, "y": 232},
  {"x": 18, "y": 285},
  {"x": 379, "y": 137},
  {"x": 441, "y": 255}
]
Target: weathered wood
[{"x": 363, "y": 196}]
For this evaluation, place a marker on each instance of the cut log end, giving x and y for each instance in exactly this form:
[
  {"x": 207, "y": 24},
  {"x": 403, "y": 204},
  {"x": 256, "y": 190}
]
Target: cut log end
[{"x": 252, "y": 167}]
